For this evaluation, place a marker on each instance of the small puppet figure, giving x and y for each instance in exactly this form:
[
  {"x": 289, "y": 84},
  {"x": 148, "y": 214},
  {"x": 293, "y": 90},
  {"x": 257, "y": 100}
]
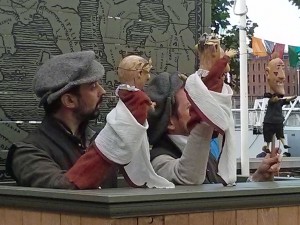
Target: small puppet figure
[
  {"x": 124, "y": 137},
  {"x": 214, "y": 62},
  {"x": 210, "y": 98},
  {"x": 273, "y": 120},
  {"x": 133, "y": 74}
]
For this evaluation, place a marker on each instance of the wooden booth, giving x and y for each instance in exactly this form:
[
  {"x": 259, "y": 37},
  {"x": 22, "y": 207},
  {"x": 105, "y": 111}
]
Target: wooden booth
[{"x": 266, "y": 203}]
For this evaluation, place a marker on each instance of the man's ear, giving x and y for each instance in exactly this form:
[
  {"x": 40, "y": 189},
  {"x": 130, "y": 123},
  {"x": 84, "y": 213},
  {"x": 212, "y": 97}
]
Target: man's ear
[
  {"x": 171, "y": 124},
  {"x": 69, "y": 100},
  {"x": 267, "y": 70}
]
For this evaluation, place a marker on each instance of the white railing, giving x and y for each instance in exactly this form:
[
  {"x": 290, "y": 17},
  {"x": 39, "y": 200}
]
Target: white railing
[{"x": 256, "y": 114}]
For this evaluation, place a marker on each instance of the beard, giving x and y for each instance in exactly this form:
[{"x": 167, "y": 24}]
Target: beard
[
  {"x": 92, "y": 115},
  {"x": 83, "y": 114}
]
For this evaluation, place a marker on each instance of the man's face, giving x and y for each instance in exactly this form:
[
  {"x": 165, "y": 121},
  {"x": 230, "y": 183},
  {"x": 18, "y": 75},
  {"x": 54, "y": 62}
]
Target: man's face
[
  {"x": 91, "y": 95},
  {"x": 180, "y": 119},
  {"x": 276, "y": 76}
]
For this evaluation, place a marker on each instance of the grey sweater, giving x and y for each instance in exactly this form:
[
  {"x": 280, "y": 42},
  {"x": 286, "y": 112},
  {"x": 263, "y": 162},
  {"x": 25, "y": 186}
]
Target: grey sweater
[{"x": 190, "y": 166}]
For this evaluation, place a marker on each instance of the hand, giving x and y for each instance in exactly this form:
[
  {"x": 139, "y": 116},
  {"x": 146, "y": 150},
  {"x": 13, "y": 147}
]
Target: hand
[
  {"x": 231, "y": 53},
  {"x": 269, "y": 167},
  {"x": 275, "y": 99},
  {"x": 292, "y": 98}
]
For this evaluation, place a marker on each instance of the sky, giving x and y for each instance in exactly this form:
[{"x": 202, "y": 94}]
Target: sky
[{"x": 278, "y": 20}]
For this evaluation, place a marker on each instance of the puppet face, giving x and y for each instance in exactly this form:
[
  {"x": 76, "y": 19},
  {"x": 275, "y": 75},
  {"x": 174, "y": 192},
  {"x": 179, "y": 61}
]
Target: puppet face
[
  {"x": 144, "y": 73},
  {"x": 213, "y": 49},
  {"x": 209, "y": 50},
  {"x": 276, "y": 76},
  {"x": 135, "y": 71}
]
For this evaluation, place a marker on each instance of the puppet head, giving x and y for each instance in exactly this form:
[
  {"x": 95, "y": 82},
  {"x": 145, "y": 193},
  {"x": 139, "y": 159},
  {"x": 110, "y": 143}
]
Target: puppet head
[
  {"x": 209, "y": 50},
  {"x": 134, "y": 71},
  {"x": 276, "y": 76}
]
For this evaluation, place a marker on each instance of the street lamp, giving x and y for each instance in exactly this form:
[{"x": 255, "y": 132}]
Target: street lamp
[{"x": 240, "y": 9}]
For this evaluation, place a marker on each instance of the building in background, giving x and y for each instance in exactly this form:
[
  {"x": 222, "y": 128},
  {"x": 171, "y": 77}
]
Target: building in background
[{"x": 257, "y": 84}]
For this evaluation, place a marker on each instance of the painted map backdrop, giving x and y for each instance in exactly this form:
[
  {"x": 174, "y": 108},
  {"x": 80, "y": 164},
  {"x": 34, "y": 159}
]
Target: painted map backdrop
[{"x": 31, "y": 31}]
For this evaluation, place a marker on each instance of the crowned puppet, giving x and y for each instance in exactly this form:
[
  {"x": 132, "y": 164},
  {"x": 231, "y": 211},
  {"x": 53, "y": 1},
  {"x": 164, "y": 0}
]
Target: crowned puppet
[
  {"x": 124, "y": 140},
  {"x": 210, "y": 98}
]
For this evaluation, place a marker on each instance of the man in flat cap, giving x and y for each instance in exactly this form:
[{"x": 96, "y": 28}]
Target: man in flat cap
[
  {"x": 182, "y": 154},
  {"x": 59, "y": 153}
]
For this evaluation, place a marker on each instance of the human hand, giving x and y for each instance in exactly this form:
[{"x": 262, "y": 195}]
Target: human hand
[
  {"x": 231, "y": 52},
  {"x": 269, "y": 167}
]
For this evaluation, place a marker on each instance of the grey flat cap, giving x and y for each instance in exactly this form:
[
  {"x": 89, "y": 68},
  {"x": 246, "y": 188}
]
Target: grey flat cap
[
  {"x": 62, "y": 72},
  {"x": 161, "y": 90}
]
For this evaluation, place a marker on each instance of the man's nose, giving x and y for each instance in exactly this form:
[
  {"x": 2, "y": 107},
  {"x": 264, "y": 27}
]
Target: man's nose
[
  {"x": 101, "y": 90},
  {"x": 281, "y": 75}
]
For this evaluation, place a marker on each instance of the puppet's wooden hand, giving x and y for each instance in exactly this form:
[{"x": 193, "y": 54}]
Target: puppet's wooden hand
[
  {"x": 275, "y": 99},
  {"x": 292, "y": 98},
  {"x": 152, "y": 106},
  {"x": 231, "y": 53}
]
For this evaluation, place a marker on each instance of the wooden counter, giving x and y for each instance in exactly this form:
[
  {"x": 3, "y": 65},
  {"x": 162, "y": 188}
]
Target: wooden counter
[{"x": 247, "y": 203}]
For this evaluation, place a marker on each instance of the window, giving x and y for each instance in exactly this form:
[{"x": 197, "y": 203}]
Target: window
[
  {"x": 259, "y": 78},
  {"x": 288, "y": 79},
  {"x": 253, "y": 77},
  {"x": 265, "y": 89},
  {"x": 265, "y": 79},
  {"x": 258, "y": 66},
  {"x": 288, "y": 90},
  {"x": 253, "y": 66},
  {"x": 254, "y": 90}
]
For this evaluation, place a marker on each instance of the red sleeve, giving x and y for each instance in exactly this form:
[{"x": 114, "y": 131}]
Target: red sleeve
[
  {"x": 214, "y": 80},
  {"x": 137, "y": 102},
  {"x": 218, "y": 68},
  {"x": 90, "y": 170}
]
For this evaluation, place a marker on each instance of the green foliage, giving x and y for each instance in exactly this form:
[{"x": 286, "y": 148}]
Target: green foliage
[
  {"x": 220, "y": 14},
  {"x": 230, "y": 39},
  {"x": 295, "y": 2}
]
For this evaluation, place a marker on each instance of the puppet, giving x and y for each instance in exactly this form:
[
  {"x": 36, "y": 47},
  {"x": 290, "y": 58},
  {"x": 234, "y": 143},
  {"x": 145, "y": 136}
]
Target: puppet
[
  {"x": 214, "y": 62},
  {"x": 273, "y": 120},
  {"x": 211, "y": 100},
  {"x": 133, "y": 74},
  {"x": 124, "y": 137}
]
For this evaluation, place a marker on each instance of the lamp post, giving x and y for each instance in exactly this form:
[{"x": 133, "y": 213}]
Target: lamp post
[{"x": 240, "y": 9}]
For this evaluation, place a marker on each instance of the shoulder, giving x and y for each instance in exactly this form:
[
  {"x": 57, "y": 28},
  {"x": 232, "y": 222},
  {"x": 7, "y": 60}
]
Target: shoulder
[
  {"x": 165, "y": 147},
  {"x": 136, "y": 96},
  {"x": 21, "y": 151}
]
